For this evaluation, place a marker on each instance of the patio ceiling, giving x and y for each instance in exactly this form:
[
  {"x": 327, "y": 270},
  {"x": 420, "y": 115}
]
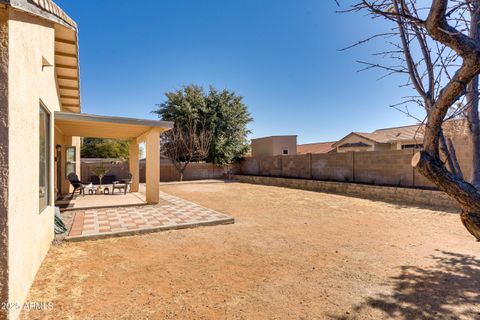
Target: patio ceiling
[{"x": 94, "y": 126}]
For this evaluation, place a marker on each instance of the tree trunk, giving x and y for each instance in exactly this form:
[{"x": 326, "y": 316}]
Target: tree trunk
[
  {"x": 181, "y": 176},
  {"x": 472, "y": 103},
  {"x": 463, "y": 192}
]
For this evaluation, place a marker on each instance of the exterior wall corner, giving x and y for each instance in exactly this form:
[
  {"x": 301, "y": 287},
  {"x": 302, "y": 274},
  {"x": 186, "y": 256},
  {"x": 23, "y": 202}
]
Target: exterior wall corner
[{"x": 4, "y": 157}]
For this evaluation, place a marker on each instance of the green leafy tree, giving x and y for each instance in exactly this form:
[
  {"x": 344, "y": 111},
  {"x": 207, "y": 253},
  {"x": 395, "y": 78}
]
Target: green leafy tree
[
  {"x": 222, "y": 112},
  {"x": 104, "y": 148}
]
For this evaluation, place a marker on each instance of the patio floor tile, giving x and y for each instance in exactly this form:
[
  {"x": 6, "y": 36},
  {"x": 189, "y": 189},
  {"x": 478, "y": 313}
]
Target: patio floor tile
[{"x": 171, "y": 213}]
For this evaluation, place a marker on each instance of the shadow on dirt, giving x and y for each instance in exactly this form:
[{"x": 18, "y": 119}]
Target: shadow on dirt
[{"x": 450, "y": 289}]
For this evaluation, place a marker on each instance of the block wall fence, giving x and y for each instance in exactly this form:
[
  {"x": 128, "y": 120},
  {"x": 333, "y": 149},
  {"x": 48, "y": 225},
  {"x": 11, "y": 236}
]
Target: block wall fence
[
  {"x": 168, "y": 173},
  {"x": 402, "y": 196},
  {"x": 382, "y": 168}
]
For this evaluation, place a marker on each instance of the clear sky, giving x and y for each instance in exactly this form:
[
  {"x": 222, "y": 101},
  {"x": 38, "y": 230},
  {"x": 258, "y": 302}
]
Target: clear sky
[{"x": 280, "y": 55}]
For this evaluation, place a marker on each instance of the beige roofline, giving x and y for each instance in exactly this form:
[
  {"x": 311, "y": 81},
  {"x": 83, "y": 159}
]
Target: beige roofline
[
  {"x": 350, "y": 134},
  {"x": 46, "y": 9},
  {"x": 279, "y": 136},
  {"x": 109, "y": 119}
]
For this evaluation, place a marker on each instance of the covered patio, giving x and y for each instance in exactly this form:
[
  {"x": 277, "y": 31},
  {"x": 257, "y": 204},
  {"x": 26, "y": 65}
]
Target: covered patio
[
  {"x": 67, "y": 203},
  {"x": 68, "y": 126}
]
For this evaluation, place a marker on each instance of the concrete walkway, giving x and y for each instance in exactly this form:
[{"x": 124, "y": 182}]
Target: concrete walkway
[{"x": 171, "y": 213}]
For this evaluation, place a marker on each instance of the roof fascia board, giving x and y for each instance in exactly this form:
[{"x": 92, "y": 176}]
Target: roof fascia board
[
  {"x": 117, "y": 120},
  {"x": 37, "y": 11},
  {"x": 352, "y": 134}
]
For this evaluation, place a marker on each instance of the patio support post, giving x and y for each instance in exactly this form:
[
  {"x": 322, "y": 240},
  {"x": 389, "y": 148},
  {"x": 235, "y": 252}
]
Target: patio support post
[
  {"x": 152, "y": 172},
  {"x": 134, "y": 165}
]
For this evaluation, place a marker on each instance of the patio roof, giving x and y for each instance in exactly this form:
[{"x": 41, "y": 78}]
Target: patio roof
[{"x": 95, "y": 126}]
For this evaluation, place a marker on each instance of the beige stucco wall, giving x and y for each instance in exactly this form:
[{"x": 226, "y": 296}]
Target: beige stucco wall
[
  {"x": 262, "y": 147},
  {"x": 273, "y": 146},
  {"x": 65, "y": 141},
  {"x": 68, "y": 141},
  {"x": 57, "y": 140},
  {"x": 382, "y": 147},
  {"x": 287, "y": 142},
  {"x": 4, "y": 144},
  {"x": 30, "y": 232}
]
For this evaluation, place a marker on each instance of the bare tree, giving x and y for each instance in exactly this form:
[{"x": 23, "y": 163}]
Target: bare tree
[
  {"x": 436, "y": 45},
  {"x": 185, "y": 144}
]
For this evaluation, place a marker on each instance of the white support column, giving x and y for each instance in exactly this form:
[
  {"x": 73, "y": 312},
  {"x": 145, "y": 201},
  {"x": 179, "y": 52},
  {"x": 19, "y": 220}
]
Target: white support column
[
  {"x": 152, "y": 172},
  {"x": 134, "y": 165}
]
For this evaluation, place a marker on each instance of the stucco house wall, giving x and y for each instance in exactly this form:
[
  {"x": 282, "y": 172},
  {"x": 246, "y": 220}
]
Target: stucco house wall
[
  {"x": 30, "y": 232},
  {"x": 274, "y": 146},
  {"x": 262, "y": 147},
  {"x": 4, "y": 163},
  {"x": 282, "y": 143}
]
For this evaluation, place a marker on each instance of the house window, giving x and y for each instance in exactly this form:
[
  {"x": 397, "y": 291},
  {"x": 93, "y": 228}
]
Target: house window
[
  {"x": 44, "y": 159},
  {"x": 70, "y": 160},
  {"x": 285, "y": 152},
  {"x": 412, "y": 146}
]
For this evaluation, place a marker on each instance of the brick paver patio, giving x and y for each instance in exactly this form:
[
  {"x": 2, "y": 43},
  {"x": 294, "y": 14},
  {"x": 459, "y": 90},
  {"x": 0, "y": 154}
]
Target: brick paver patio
[{"x": 170, "y": 213}]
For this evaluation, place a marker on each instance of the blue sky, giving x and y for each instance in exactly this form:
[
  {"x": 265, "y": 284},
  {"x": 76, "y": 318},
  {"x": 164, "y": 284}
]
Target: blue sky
[{"x": 280, "y": 55}]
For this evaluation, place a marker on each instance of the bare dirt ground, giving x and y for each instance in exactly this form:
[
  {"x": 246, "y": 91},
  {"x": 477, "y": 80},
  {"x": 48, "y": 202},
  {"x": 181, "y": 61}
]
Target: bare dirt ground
[{"x": 291, "y": 254}]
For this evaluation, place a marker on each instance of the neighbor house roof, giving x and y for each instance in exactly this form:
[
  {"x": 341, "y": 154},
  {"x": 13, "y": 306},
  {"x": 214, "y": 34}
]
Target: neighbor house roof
[
  {"x": 390, "y": 135},
  {"x": 272, "y": 137},
  {"x": 320, "y": 147}
]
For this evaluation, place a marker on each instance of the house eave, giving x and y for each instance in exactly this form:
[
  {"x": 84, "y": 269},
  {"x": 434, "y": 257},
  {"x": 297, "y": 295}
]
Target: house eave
[
  {"x": 32, "y": 8},
  {"x": 110, "y": 119}
]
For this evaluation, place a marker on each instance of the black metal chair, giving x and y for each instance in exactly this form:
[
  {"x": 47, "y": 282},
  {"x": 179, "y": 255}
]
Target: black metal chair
[
  {"x": 123, "y": 184},
  {"x": 76, "y": 184},
  {"x": 107, "y": 179}
]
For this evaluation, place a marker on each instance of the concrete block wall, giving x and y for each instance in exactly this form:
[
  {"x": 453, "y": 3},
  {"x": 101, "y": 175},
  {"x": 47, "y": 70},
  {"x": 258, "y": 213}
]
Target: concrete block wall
[
  {"x": 333, "y": 166},
  {"x": 297, "y": 166},
  {"x": 392, "y": 167},
  {"x": 384, "y": 168},
  {"x": 396, "y": 195},
  {"x": 270, "y": 165},
  {"x": 168, "y": 173}
]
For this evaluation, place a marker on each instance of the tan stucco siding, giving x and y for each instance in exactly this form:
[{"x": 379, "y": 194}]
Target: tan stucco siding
[
  {"x": 30, "y": 232},
  {"x": 281, "y": 143},
  {"x": 382, "y": 147},
  {"x": 274, "y": 146},
  {"x": 57, "y": 140},
  {"x": 69, "y": 141},
  {"x": 65, "y": 141},
  {"x": 4, "y": 163},
  {"x": 261, "y": 147}
]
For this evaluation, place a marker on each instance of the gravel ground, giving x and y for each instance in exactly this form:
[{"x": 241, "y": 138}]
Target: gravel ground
[{"x": 291, "y": 254}]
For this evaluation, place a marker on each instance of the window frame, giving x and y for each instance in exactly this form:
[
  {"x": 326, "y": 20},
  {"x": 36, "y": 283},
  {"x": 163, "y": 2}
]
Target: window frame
[
  {"x": 74, "y": 162},
  {"x": 48, "y": 162},
  {"x": 287, "y": 150}
]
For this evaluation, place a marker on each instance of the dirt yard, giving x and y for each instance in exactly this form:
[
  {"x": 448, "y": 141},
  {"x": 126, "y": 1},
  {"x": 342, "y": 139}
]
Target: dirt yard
[{"x": 290, "y": 255}]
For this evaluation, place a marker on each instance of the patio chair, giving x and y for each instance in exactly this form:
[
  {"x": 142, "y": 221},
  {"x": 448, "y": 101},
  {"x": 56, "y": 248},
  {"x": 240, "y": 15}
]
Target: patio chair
[
  {"x": 123, "y": 184},
  {"x": 76, "y": 184}
]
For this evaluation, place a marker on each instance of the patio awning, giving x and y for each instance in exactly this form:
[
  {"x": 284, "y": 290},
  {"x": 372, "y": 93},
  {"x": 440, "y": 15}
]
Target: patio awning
[
  {"x": 94, "y": 126},
  {"x": 135, "y": 130}
]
